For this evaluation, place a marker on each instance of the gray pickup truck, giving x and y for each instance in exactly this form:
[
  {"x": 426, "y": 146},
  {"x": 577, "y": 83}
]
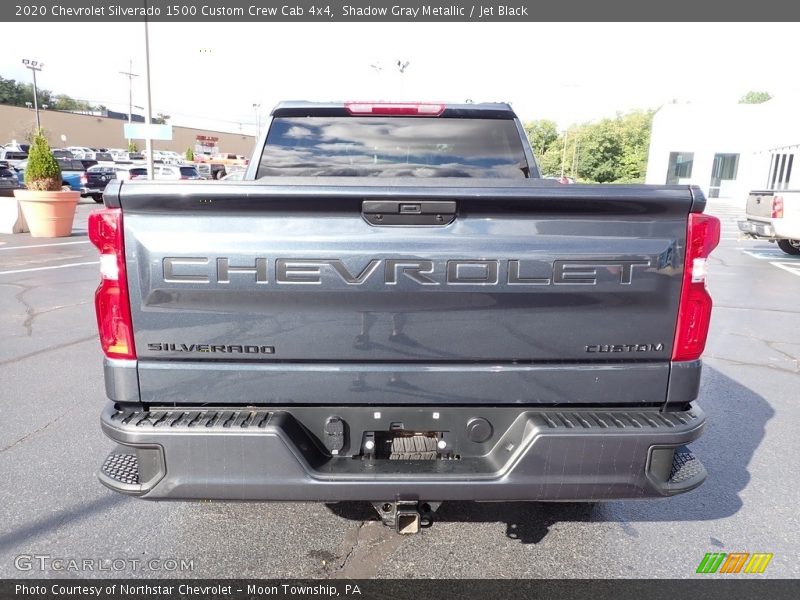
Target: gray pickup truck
[{"x": 395, "y": 307}]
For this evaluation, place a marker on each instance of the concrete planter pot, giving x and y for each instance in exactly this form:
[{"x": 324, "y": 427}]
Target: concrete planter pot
[
  {"x": 48, "y": 214},
  {"x": 11, "y": 218}
]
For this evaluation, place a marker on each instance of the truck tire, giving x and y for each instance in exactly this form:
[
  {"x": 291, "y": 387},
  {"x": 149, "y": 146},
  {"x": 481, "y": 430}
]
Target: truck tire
[
  {"x": 790, "y": 246},
  {"x": 219, "y": 174},
  {"x": 98, "y": 198}
]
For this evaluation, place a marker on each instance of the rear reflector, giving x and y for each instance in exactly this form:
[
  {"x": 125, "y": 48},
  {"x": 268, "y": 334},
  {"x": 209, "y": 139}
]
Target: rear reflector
[
  {"x": 777, "y": 207},
  {"x": 694, "y": 312},
  {"x": 111, "y": 301},
  {"x": 409, "y": 109}
]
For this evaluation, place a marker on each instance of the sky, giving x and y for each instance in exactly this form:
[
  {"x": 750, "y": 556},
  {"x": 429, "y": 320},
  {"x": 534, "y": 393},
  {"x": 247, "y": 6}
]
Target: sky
[{"x": 211, "y": 75}]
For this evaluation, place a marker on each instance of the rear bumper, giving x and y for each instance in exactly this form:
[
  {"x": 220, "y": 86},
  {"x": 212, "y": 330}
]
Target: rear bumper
[
  {"x": 756, "y": 228},
  {"x": 276, "y": 454}
]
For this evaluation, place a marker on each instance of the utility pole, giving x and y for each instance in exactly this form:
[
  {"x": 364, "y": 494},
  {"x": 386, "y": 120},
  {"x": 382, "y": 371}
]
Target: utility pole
[
  {"x": 148, "y": 141},
  {"x": 34, "y": 66},
  {"x": 574, "y": 158},
  {"x": 130, "y": 75}
]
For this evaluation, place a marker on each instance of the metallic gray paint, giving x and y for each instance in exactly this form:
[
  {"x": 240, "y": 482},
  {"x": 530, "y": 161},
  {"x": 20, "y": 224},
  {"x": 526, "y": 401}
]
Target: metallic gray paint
[
  {"x": 198, "y": 382},
  {"x": 417, "y": 318},
  {"x": 538, "y": 458},
  {"x": 121, "y": 379}
]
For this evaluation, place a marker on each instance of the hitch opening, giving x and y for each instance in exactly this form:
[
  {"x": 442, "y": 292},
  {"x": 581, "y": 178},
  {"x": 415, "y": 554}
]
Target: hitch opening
[{"x": 406, "y": 516}]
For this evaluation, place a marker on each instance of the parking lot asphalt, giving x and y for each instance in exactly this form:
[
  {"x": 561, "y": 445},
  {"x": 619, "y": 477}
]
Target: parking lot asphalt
[{"x": 51, "y": 504}]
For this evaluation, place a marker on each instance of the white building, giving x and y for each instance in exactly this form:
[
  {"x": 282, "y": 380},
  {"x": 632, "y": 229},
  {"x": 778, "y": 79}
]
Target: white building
[{"x": 727, "y": 150}]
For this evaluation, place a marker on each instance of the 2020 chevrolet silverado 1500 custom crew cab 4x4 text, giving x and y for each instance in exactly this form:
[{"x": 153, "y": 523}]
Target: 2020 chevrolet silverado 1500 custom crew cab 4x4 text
[{"x": 394, "y": 307}]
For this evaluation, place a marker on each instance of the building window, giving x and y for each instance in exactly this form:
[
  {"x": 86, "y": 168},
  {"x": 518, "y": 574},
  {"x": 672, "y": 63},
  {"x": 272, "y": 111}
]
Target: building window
[
  {"x": 724, "y": 169},
  {"x": 780, "y": 171},
  {"x": 680, "y": 167}
]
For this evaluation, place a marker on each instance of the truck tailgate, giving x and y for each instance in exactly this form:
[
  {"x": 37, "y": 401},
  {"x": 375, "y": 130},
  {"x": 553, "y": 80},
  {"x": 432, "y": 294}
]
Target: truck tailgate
[
  {"x": 531, "y": 294},
  {"x": 759, "y": 205}
]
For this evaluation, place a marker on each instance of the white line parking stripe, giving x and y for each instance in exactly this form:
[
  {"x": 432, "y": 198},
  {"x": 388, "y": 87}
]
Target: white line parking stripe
[
  {"x": 96, "y": 262},
  {"x": 45, "y": 245},
  {"x": 793, "y": 268}
]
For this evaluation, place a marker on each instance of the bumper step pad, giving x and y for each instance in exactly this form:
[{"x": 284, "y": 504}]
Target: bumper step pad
[
  {"x": 686, "y": 468},
  {"x": 123, "y": 468}
]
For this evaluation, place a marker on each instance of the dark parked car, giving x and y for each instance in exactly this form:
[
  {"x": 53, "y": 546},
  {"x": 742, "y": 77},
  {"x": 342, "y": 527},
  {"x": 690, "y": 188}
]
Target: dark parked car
[
  {"x": 8, "y": 181},
  {"x": 87, "y": 162},
  {"x": 95, "y": 180}
]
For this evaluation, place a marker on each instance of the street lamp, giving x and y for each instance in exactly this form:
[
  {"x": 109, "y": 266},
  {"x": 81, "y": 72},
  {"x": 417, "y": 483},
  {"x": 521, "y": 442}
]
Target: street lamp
[
  {"x": 34, "y": 66},
  {"x": 257, "y": 108}
]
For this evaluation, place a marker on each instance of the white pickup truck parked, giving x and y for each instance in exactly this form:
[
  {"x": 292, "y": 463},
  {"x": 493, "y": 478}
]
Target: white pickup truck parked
[{"x": 775, "y": 216}]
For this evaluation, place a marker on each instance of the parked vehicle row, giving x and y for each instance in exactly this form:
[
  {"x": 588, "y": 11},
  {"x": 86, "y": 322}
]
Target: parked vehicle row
[{"x": 88, "y": 170}]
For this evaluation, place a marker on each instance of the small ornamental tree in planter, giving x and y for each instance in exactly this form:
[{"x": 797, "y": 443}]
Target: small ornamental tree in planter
[
  {"x": 190, "y": 155},
  {"x": 49, "y": 211}
]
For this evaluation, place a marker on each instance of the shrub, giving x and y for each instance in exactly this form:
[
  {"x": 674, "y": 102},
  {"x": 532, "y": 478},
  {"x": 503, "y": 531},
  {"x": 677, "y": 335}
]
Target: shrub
[
  {"x": 42, "y": 173},
  {"x": 189, "y": 154},
  {"x": 132, "y": 147}
]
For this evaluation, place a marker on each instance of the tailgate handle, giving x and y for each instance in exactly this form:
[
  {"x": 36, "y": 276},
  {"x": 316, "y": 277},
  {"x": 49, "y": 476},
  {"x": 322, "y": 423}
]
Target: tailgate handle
[{"x": 408, "y": 212}]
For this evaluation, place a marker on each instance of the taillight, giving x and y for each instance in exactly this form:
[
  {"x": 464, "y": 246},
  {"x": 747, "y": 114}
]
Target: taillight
[
  {"x": 111, "y": 301},
  {"x": 777, "y": 207},
  {"x": 694, "y": 311},
  {"x": 409, "y": 109}
]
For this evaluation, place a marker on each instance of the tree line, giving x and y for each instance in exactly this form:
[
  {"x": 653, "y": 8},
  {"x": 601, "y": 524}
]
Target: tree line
[
  {"x": 612, "y": 150},
  {"x": 17, "y": 93}
]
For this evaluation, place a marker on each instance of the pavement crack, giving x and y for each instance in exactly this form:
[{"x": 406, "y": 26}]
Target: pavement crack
[
  {"x": 370, "y": 547},
  {"x": 30, "y": 313},
  {"x": 48, "y": 349},
  {"x": 30, "y": 434},
  {"x": 353, "y": 545}
]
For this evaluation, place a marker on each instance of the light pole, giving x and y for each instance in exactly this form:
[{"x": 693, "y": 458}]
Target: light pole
[
  {"x": 257, "y": 108},
  {"x": 34, "y": 66}
]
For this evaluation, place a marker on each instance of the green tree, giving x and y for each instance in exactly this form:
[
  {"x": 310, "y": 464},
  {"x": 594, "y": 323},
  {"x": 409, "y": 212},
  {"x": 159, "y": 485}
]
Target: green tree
[
  {"x": 753, "y": 97},
  {"x": 189, "y": 154},
  {"x": 161, "y": 118},
  {"x": 64, "y": 102},
  {"x": 17, "y": 93},
  {"x": 612, "y": 150},
  {"x": 132, "y": 147},
  {"x": 541, "y": 134},
  {"x": 42, "y": 172}
]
